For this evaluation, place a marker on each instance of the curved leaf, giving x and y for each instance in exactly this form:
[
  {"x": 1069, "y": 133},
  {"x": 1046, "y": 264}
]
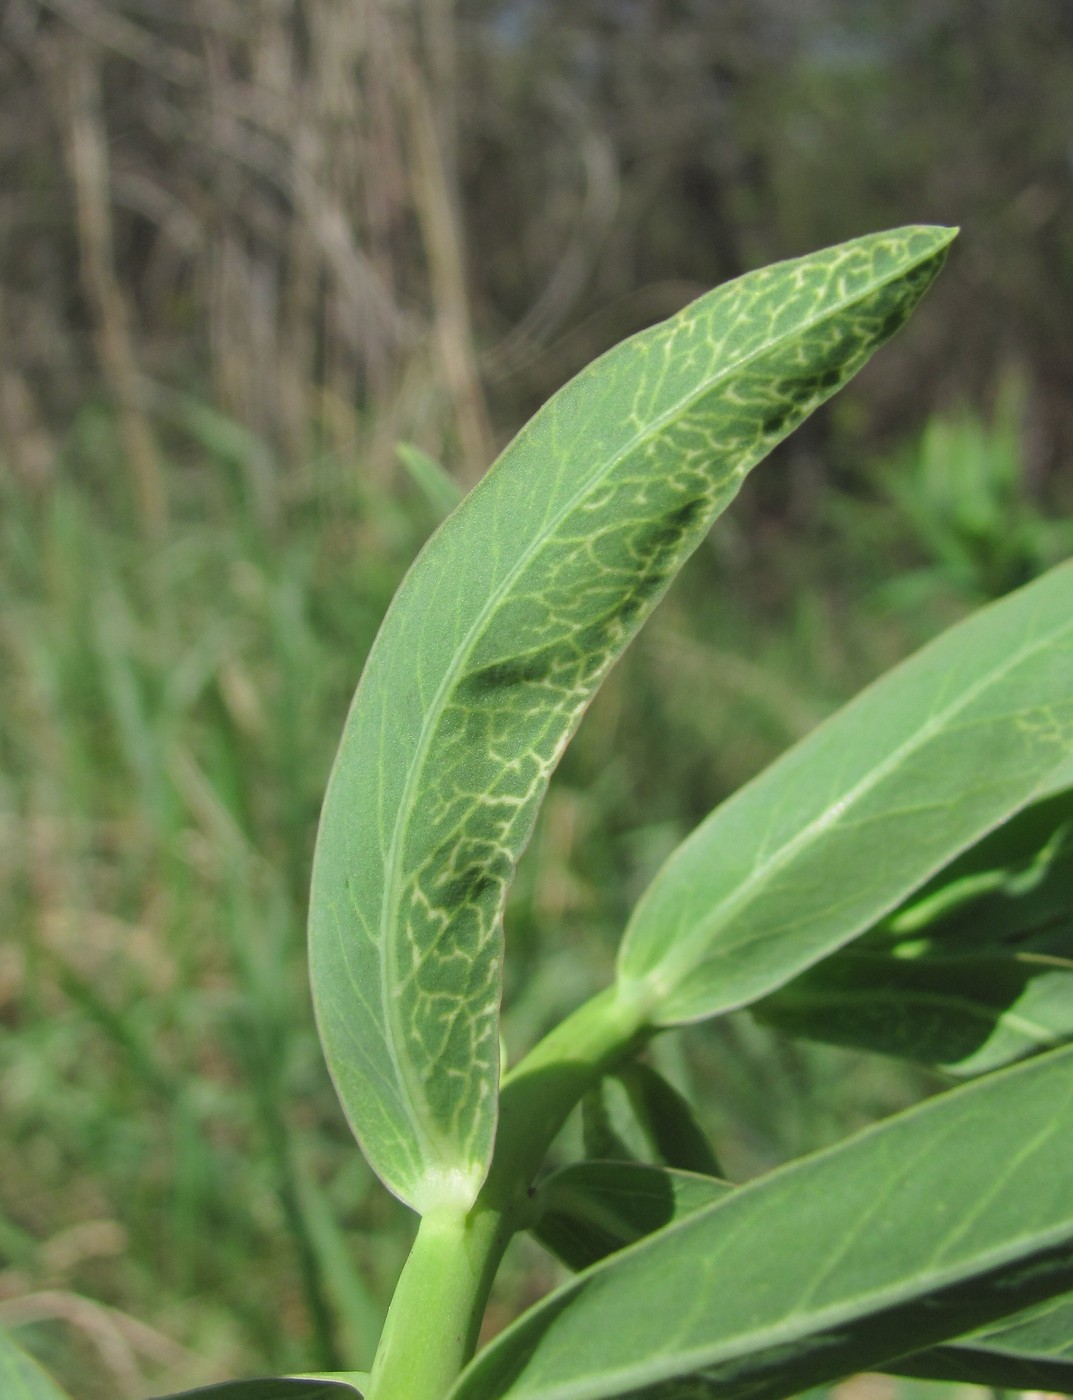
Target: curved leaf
[
  {"x": 840, "y": 829},
  {"x": 491, "y": 650},
  {"x": 936, "y": 1221},
  {"x": 21, "y": 1378},
  {"x": 974, "y": 971}
]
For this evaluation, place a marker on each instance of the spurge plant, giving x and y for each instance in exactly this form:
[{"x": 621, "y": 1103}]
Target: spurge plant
[{"x": 901, "y": 880}]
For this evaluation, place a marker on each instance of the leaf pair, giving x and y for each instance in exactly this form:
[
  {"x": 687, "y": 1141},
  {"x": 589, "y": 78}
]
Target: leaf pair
[{"x": 493, "y": 647}]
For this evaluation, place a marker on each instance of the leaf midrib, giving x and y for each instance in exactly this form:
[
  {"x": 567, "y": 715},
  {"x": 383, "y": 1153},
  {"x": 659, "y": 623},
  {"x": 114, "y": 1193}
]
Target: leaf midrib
[
  {"x": 392, "y": 890},
  {"x": 665, "y": 979}
]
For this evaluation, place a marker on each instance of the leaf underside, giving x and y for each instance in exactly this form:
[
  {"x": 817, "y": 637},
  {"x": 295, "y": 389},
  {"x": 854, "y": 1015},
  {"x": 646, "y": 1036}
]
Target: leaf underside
[
  {"x": 493, "y": 647},
  {"x": 908, "y": 1235}
]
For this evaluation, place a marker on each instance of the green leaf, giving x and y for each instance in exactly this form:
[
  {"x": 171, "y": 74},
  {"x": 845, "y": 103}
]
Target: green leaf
[
  {"x": 864, "y": 810},
  {"x": 940, "y": 1220},
  {"x": 636, "y": 1115},
  {"x": 591, "y": 1209},
  {"x": 333, "y": 1386},
  {"x": 965, "y": 1015},
  {"x": 1012, "y": 889},
  {"x": 975, "y": 971},
  {"x": 1029, "y": 1351},
  {"x": 494, "y": 645},
  {"x": 21, "y": 1378}
]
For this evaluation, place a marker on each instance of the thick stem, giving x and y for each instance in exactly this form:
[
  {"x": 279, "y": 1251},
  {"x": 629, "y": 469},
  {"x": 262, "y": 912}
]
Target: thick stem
[
  {"x": 428, "y": 1325},
  {"x": 435, "y": 1316}
]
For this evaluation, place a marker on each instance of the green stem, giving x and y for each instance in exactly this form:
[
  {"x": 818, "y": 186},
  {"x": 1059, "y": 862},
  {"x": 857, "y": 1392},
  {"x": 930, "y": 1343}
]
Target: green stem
[{"x": 435, "y": 1315}]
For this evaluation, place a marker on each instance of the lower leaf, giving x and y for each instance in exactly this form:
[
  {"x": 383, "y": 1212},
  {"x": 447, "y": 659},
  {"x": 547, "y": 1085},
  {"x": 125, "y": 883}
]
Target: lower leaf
[{"x": 913, "y": 1232}]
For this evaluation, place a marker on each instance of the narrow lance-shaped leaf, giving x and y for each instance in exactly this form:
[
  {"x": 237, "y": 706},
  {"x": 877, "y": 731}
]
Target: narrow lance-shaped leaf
[
  {"x": 493, "y": 647},
  {"x": 911, "y": 1233},
  {"x": 591, "y": 1209},
  {"x": 867, "y": 807}
]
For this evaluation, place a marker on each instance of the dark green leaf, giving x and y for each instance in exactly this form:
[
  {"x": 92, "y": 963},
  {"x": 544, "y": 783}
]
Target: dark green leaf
[
  {"x": 338, "y": 1387},
  {"x": 591, "y": 1209},
  {"x": 1013, "y": 889},
  {"x": 1030, "y": 1351},
  {"x": 965, "y": 1015}
]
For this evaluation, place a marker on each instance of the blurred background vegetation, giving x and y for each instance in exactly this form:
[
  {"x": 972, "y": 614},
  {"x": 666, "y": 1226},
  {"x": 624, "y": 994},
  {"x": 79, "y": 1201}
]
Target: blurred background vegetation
[{"x": 248, "y": 248}]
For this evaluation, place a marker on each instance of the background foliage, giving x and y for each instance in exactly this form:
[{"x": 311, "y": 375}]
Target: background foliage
[{"x": 247, "y": 248}]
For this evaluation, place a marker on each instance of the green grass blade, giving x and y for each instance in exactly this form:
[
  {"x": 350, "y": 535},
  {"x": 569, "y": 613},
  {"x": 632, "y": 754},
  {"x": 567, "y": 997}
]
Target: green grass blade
[
  {"x": 493, "y": 647},
  {"x": 21, "y": 1378},
  {"x": 915, "y": 1231},
  {"x": 1030, "y": 1351},
  {"x": 864, "y": 810},
  {"x": 591, "y": 1209}
]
